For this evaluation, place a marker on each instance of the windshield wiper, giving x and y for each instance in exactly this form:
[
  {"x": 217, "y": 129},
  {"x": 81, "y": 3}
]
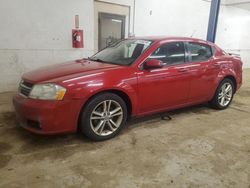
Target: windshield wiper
[
  {"x": 101, "y": 61},
  {"x": 98, "y": 60}
]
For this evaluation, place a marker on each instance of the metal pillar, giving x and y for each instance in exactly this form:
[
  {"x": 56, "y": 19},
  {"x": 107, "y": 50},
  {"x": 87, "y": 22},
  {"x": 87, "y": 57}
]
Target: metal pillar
[{"x": 213, "y": 20}]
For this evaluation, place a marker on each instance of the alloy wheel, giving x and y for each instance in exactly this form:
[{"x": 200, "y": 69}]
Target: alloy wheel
[
  {"x": 225, "y": 94},
  {"x": 106, "y": 117}
]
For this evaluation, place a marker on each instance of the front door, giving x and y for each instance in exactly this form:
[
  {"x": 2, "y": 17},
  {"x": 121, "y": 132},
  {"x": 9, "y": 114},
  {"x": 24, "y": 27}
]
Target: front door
[
  {"x": 111, "y": 29},
  {"x": 165, "y": 87}
]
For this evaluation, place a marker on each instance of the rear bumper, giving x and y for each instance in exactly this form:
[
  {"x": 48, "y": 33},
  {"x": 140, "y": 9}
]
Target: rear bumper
[{"x": 47, "y": 117}]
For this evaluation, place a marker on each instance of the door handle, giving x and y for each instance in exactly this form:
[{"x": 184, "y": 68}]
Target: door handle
[{"x": 182, "y": 70}]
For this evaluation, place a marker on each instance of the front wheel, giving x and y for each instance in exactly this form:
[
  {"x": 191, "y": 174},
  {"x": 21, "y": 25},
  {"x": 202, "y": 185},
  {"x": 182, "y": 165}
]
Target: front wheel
[
  {"x": 224, "y": 95},
  {"x": 103, "y": 117}
]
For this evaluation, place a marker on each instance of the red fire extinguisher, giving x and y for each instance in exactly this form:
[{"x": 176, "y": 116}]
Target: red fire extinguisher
[
  {"x": 77, "y": 35},
  {"x": 77, "y": 38}
]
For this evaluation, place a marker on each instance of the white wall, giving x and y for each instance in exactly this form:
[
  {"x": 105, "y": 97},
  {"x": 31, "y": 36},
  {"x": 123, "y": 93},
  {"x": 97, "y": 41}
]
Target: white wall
[
  {"x": 38, "y": 33},
  {"x": 171, "y": 18}
]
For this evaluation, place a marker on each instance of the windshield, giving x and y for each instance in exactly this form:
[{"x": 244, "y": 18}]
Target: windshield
[{"x": 122, "y": 53}]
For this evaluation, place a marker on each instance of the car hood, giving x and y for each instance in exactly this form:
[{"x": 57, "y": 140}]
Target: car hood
[{"x": 66, "y": 69}]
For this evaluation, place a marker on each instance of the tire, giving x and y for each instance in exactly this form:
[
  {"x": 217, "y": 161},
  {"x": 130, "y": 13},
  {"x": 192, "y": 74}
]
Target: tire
[
  {"x": 223, "y": 95},
  {"x": 96, "y": 117}
]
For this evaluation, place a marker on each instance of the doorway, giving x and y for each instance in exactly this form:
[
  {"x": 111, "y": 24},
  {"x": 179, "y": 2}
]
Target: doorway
[
  {"x": 111, "y": 29},
  {"x": 112, "y": 23}
]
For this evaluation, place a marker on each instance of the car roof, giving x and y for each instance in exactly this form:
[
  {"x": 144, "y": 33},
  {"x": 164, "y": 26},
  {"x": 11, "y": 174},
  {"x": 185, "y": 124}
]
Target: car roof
[{"x": 169, "y": 38}]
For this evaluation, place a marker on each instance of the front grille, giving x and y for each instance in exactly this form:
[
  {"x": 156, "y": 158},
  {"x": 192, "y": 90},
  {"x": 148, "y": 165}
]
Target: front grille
[{"x": 25, "y": 88}]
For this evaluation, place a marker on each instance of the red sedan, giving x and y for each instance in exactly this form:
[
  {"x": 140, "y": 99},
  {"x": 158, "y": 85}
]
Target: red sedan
[{"x": 134, "y": 77}]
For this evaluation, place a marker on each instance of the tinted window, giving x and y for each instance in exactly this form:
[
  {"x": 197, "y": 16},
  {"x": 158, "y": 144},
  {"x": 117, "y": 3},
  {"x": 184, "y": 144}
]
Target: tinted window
[
  {"x": 171, "y": 53},
  {"x": 200, "y": 52}
]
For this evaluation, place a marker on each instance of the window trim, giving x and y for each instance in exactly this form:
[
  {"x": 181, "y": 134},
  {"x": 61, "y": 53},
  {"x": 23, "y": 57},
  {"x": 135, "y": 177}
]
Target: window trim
[
  {"x": 188, "y": 58},
  {"x": 201, "y": 44}
]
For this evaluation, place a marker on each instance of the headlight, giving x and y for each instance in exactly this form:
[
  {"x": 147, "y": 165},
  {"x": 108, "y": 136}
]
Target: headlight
[{"x": 47, "y": 92}]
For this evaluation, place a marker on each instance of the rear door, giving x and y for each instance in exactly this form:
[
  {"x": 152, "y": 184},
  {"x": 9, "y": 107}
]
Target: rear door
[
  {"x": 203, "y": 70},
  {"x": 168, "y": 86}
]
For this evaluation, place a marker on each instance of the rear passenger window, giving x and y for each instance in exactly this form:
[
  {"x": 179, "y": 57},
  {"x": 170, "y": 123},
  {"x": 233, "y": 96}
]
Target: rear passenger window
[
  {"x": 200, "y": 52},
  {"x": 170, "y": 53}
]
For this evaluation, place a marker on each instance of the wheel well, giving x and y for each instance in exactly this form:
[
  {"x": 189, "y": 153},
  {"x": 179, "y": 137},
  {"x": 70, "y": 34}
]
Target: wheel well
[
  {"x": 233, "y": 80},
  {"x": 126, "y": 99}
]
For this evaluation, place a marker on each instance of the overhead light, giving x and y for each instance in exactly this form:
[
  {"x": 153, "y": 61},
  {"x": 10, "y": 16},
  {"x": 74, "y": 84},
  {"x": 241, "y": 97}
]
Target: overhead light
[{"x": 114, "y": 20}]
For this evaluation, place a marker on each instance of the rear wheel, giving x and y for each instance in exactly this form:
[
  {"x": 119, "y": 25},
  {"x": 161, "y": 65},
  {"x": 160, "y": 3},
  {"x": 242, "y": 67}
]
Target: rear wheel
[
  {"x": 103, "y": 116},
  {"x": 224, "y": 95}
]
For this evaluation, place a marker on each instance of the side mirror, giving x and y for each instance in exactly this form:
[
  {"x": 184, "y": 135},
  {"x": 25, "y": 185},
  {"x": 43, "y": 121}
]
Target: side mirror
[{"x": 153, "y": 64}]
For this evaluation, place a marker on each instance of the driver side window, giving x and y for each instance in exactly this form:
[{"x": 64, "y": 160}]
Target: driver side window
[{"x": 170, "y": 53}]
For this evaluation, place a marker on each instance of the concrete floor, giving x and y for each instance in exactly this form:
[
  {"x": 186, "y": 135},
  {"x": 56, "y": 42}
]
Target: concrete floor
[{"x": 199, "y": 147}]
